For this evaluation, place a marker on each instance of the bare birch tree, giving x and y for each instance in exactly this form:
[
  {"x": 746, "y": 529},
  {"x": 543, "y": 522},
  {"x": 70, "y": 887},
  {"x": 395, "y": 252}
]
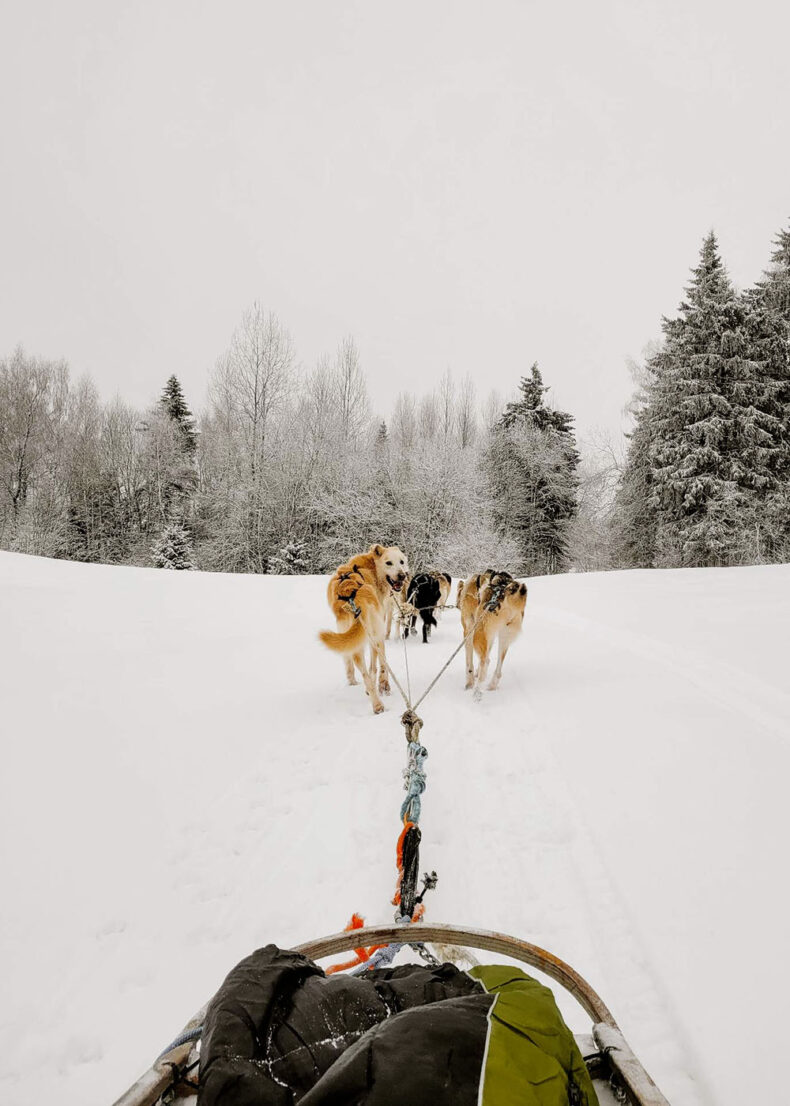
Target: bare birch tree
[
  {"x": 351, "y": 394},
  {"x": 404, "y": 420},
  {"x": 466, "y": 415},
  {"x": 252, "y": 377}
]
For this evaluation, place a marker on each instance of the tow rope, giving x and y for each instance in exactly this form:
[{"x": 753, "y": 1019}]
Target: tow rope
[
  {"x": 407, "y": 854},
  {"x": 411, "y": 907}
]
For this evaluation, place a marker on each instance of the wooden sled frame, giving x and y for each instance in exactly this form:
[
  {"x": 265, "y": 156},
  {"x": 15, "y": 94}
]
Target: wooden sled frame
[{"x": 619, "y": 1061}]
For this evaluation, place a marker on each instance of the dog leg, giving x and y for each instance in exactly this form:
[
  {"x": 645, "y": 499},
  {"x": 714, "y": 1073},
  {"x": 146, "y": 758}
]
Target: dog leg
[
  {"x": 470, "y": 662},
  {"x": 350, "y": 674},
  {"x": 369, "y": 681},
  {"x": 381, "y": 656},
  {"x": 498, "y": 670},
  {"x": 384, "y": 679},
  {"x": 483, "y": 648}
]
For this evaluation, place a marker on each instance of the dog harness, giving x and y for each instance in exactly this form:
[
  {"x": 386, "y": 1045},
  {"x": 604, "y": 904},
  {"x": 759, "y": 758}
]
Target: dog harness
[{"x": 355, "y": 610}]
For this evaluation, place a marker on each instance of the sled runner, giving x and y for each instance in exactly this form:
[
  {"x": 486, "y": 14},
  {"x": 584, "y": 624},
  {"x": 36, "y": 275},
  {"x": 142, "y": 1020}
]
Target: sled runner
[{"x": 616, "y": 1073}]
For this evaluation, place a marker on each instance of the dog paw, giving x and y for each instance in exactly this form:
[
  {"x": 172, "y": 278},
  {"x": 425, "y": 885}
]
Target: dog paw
[{"x": 379, "y": 708}]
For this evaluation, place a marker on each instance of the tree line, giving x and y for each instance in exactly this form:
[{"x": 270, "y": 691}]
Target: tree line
[
  {"x": 291, "y": 471},
  {"x": 285, "y": 471}
]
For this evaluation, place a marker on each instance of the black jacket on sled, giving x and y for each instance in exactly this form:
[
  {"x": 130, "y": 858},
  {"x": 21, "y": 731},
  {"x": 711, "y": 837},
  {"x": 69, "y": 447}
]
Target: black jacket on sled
[{"x": 280, "y": 1032}]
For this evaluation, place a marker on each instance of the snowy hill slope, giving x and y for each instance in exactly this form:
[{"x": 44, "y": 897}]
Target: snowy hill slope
[{"x": 186, "y": 776}]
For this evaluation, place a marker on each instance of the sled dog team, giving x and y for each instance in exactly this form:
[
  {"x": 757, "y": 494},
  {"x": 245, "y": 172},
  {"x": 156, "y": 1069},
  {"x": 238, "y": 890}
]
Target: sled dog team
[{"x": 367, "y": 592}]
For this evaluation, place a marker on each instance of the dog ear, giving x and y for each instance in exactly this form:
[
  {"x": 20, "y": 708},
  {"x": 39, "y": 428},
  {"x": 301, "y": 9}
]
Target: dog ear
[
  {"x": 377, "y": 551},
  {"x": 523, "y": 589}
]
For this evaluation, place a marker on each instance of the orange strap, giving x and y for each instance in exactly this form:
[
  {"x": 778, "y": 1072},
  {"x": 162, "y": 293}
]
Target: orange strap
[{"x": 360, "y": 954}]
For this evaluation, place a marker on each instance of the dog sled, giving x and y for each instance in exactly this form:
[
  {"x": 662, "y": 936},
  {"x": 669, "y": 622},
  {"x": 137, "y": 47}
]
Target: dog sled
[{"x": 616, "y": 1073}]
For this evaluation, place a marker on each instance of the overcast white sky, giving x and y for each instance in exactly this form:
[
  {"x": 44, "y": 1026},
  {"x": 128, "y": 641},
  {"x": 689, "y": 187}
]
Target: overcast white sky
[{"x": 472, "y": 185}]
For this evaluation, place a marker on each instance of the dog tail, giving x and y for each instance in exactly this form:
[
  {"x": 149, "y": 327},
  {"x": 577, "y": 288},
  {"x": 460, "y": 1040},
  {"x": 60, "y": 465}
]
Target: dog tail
[{"x": 351, "y": 641}]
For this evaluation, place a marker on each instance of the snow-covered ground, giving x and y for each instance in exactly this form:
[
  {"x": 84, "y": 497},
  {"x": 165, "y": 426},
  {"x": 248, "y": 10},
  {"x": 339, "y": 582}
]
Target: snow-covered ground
[{"x": 185, "y": 776}]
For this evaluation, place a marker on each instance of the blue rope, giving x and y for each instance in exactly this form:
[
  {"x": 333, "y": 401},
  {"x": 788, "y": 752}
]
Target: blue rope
[
  {"x": 414, "y": 775},
  {"x": 188, "y": 1035},
  {"x": 380, "y": 958}
]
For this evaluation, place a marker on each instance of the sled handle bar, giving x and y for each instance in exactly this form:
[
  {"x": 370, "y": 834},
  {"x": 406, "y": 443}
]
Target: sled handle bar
[{"x": 536, "y": 957}]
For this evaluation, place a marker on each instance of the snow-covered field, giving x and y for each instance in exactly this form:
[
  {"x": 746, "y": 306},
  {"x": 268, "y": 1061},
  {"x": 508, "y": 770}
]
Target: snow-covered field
[{"x": 185, "y": 776}]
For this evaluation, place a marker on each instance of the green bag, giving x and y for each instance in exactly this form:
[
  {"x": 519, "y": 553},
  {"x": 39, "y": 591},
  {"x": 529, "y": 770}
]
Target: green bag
[{"x": 531, "y": 1057}]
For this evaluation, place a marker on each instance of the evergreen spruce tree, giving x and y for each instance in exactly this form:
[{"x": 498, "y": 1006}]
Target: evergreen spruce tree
[
  {"x": 531, "y": 466},
  {"x": 774, "y": 288},
  {"x": 176, "y": 407},
  {"x": 173, "y": 548},
  {"x": 770, "y": 317},
  {"x": 715, "y": 435},
  {"x": 290, "y": 561},
  {"x": 770, "y": 302},
  {"x": 634, "y": 525},
  {"x": 530, "y": 408}
]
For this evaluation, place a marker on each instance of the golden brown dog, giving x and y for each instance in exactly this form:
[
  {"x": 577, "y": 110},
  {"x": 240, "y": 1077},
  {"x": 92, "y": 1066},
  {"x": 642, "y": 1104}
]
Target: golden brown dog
[
  {"x": 492, "y": 605},
  {"x": 359, "y": 594}
]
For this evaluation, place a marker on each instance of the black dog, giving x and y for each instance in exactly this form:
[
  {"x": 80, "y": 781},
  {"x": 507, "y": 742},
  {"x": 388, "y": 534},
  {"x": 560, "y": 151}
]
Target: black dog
[{"x": 424, "y": 594}]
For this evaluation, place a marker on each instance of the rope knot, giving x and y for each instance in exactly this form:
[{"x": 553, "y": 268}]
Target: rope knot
[{"x": 412, "y": 723}]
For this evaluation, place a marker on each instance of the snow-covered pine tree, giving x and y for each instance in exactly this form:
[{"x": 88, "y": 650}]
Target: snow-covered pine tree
[
  {"x": 530, "y": 408},
  {"x": 173, "y": 548},
  {"x": 774, "y": 288},
  {"x": 531, "y": 465},
  {"x": 770, "y": 318},
  {"x": 175, "y": 405},
  {"x": 291, "y": 560},
  {"x": 715, "y": 439}
]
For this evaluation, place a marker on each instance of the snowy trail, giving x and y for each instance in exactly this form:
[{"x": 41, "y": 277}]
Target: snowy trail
[
  {"x": 188, "y": 777},
  {"x": 691, "y": 749}
]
